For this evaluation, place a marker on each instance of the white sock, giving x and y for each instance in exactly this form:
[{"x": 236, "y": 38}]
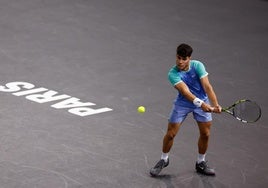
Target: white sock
[
  {"x": 201, "y": 158},
  {"x": 164, "y": 156}
]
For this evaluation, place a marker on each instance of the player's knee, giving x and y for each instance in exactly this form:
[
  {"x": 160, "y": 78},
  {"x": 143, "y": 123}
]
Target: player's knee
[
  {"x": 170, "y": 135},
  {"x": 205, "y": 135}
]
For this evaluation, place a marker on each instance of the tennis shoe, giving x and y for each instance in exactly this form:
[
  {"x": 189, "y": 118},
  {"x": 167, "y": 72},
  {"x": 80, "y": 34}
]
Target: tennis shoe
[
  {"x": 203, "y": 168},
  {"x": 158, "y": 167}
]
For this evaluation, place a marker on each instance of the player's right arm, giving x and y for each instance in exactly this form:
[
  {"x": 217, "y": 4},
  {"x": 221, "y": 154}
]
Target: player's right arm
[{"x": 185, "y": 91}]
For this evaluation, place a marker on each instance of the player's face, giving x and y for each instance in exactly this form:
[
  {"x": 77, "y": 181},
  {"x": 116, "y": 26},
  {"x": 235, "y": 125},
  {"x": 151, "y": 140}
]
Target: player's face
[{"x": 182, "y": 62}]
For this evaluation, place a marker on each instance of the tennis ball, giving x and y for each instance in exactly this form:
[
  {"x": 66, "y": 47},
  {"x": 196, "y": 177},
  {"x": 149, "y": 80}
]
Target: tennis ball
[{"x": 141, "y": 109}]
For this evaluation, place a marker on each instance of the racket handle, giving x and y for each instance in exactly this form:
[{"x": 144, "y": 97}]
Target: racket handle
[{"x": 212, "y": 109}]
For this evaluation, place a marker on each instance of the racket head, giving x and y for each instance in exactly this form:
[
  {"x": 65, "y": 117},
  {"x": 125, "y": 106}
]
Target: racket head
[{"x": 245, "y": 110}]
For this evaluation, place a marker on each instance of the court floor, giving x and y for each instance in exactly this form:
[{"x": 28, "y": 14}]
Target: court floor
[{"x": 74, "y": 72}]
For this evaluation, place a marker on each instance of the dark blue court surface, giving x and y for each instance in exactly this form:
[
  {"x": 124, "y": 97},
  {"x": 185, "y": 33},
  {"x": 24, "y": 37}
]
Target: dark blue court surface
[{"x": 74, "y": 72}]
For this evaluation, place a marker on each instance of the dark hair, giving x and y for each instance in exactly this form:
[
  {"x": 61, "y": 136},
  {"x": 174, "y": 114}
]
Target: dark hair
[{"x": 184, "y": 50}]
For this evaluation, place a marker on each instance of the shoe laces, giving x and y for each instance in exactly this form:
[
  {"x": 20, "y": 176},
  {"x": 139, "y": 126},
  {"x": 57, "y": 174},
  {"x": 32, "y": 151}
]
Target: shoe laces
[
  {"x": 161, "y": 163},
  {"x": 204, "y": 163}
]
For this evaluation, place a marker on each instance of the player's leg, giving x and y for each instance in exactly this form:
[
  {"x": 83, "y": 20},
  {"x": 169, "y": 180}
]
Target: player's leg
[
  {"x": 168, "y": 140},
  {"x": 204, "y": 130},
  {"x": 204, "y": 121},
  {"x": 203, "y": 141},
  {"x": 177, "y": 116}
]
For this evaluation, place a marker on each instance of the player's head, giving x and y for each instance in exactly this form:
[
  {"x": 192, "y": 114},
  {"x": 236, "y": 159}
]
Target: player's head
[{"x": 184, "y": 50}]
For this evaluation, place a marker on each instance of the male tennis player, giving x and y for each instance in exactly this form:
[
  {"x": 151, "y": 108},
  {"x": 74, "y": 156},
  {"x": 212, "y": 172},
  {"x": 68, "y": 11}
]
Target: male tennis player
[{"x": 196, "y": 96}]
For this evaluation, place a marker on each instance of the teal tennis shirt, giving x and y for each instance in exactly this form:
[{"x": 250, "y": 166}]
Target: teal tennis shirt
[{"x": 191, "y": 78}]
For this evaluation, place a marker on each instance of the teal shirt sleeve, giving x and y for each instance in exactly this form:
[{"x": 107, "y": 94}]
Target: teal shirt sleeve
[
  {"x": 173, "y": 76},
  {"x": 200, "y": 69}
]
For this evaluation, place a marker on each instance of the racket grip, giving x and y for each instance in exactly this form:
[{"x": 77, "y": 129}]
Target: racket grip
[{"x": 212, "y": 109}]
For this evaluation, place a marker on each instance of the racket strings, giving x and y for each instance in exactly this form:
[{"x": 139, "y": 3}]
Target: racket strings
[{"x": 248, "y": 111}]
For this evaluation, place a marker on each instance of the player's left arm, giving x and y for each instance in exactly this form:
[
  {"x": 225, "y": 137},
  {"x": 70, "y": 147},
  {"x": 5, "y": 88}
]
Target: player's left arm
[{"x": 211, "y": 94}]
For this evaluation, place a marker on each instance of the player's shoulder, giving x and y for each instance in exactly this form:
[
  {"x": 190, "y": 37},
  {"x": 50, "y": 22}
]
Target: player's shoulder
[
  {"x": 173, "y": 69},
  {"x": 195, "y": 62},
  {"x": 173, "y": 72},
  {"x": 174, "y": 75}
]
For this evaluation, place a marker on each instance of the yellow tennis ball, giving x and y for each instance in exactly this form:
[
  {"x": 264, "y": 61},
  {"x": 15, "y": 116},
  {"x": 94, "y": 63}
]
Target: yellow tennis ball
[{"x": 141, "y": 109}]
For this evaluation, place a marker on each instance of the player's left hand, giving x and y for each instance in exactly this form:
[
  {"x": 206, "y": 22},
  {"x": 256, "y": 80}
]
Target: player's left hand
[
  {"x": 206, "y": 107},
  {"x": 216, "y": 109}
]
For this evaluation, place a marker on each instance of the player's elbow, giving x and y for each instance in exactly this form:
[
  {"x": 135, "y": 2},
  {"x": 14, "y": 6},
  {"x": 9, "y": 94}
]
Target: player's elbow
[{"x": 208, "y": 88}]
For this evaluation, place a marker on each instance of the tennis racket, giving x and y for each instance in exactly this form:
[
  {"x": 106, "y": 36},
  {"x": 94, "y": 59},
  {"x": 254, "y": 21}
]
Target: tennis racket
[{"x": 244, "y": 110}]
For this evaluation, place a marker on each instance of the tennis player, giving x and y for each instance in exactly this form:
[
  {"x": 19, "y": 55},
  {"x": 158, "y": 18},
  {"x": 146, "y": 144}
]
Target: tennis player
[{"x": 196, "y": 96}]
